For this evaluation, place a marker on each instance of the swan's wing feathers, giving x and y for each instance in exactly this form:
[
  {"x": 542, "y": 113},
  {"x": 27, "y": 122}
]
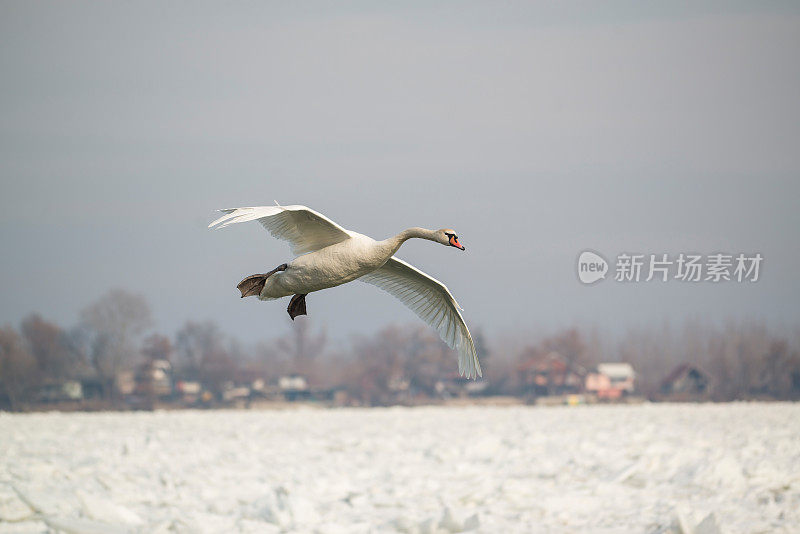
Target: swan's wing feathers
[
  {"x": 433, "y": 303},
  {"x": 305, "y": 229}
]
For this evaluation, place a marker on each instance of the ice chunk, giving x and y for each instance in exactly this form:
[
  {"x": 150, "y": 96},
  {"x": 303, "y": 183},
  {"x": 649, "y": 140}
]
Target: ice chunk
[
  {"x": 257, "y": 527},
  {"x": 485, "y": 448},
  {"x": 472, "y": 522},
  {"x": 708, "y": 525},
  {"x": 23, "y": 527},
  {"x": 403, "y": 524},
  {"x": 107, "y": 511},
  {"x": 177, "y": 526},
  {"x": 302, "y": 510},
  {"x": 727, "y": 473},
  {"x": 428, "y": 526},
  {"x": 72, "y": 525},
  {"x": 45, "y": 500},
  {"x": 332, "y": 528},
  {"x": 685, "y": 522},
  {"x": 271, "y": 508},
  {"x": 12, "y": 508},
  {"x": 450, "y": 523}
]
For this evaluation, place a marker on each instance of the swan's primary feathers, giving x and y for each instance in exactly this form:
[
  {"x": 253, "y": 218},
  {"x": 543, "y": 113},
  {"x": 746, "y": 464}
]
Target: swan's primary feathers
[
  {"x": 433, "y": 303},
  {"x": 304, "y": 229},
  {"x": 308, "y": 231}
]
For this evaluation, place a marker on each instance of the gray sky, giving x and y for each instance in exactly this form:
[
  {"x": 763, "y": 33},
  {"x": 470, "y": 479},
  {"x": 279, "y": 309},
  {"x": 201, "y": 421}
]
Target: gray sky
[{"x": 535, "y": 130}]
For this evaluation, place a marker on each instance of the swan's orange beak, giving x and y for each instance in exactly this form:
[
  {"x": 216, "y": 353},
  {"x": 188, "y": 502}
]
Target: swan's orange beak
[{"x": 454, "y": 243}]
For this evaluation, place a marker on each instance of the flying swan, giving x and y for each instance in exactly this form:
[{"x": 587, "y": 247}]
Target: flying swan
[{"x": 330, "y": 255}]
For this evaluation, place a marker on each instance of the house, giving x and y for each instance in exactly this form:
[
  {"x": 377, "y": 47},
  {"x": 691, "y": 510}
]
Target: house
[
  {"x": 232, "y": 393},
  {"x": 188, "y": 392},
  {"x": 294, "y": 388},
  {"x": 125, "y": 383},
  {"x": 457, "y": 386},
  {"x": 686, "y": 380},
  {"x": 154, "y": 379},
  {"x": 71, "y": 390},
  {"x": 92, "y": 388},
  {"x": 611, "y": 380},
  {"x": 550, "y": 374}
]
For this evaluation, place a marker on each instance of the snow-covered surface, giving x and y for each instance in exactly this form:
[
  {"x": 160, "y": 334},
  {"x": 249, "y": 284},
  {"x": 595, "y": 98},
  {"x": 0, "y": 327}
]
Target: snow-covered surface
[{"x": 645, "y": 468}]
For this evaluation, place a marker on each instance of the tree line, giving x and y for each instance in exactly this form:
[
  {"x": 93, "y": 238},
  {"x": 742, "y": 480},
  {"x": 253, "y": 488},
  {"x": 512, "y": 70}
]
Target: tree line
[{"x": 115, "y": 334}]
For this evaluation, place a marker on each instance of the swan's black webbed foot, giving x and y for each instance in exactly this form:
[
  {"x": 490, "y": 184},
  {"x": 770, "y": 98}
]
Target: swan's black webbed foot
[
  {"x": 297, "y": 306},
  {"x": 253, "y": 285}
]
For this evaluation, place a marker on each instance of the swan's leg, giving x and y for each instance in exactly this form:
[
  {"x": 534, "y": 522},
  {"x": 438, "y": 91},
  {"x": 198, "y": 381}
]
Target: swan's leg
[
  {"x": 253, "y": 285},
  {"x": 297, "y": 306}
]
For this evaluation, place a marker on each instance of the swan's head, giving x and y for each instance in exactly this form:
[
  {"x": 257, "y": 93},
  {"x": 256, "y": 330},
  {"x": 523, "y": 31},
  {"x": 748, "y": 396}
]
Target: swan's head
[{"x": 447, "y": 236}]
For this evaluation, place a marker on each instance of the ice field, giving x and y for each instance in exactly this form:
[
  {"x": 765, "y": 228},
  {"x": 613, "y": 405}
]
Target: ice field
[{"x": 644, "y": 468}]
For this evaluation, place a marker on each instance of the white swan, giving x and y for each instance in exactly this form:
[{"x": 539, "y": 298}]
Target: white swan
[{"x": 331, "y": 255}]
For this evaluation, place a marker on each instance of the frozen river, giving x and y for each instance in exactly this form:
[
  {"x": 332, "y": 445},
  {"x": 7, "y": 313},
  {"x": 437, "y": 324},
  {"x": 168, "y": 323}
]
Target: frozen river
[{"x": 644, "y": 468}]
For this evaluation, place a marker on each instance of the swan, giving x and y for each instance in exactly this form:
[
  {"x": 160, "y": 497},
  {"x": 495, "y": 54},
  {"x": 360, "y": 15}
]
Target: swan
[{"x": 329, "y": 255}]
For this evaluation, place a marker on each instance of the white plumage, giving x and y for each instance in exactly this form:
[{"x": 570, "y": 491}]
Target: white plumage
[
  {"x": 331, "y": 255},
  {"x": 304, "y": 229},
  {"x": 433, "y": 303}
]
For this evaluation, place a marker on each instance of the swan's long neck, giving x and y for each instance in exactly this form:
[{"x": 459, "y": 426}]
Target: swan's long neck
[{"x": 405, "y": 235}]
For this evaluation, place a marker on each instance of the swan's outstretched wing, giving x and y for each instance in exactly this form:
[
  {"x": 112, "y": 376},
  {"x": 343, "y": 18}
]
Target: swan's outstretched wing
[
  {"x": 304, "y": 229},
  {"x": 433, "y": 303}
]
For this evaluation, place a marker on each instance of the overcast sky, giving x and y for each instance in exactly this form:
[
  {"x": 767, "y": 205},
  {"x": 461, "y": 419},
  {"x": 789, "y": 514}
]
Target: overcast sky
[{"x": 535, "y": 130}]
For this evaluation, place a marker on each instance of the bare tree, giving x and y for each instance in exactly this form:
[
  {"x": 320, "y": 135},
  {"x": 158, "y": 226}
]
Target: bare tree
[
  {"x": 646, "y": 350},
  {"x": 376, "y": 362},
  {"x": 115, "y": 322},
  {"x": 302, "y": 346},
  {"x": 267, "y": 363},
  {"x": 194, "y": 341},
  {"x": 49, "y": 345},
  {"x": 397, "y": 362},
  {"x": 218, "y": 367},
  {"x": 568, "y": 344},
  {"x": 157, "y": 347},
  {"x": 427, "y": 359},
  {"x": 203, "y": 355},
  {"x": 18, "y": 371}
]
